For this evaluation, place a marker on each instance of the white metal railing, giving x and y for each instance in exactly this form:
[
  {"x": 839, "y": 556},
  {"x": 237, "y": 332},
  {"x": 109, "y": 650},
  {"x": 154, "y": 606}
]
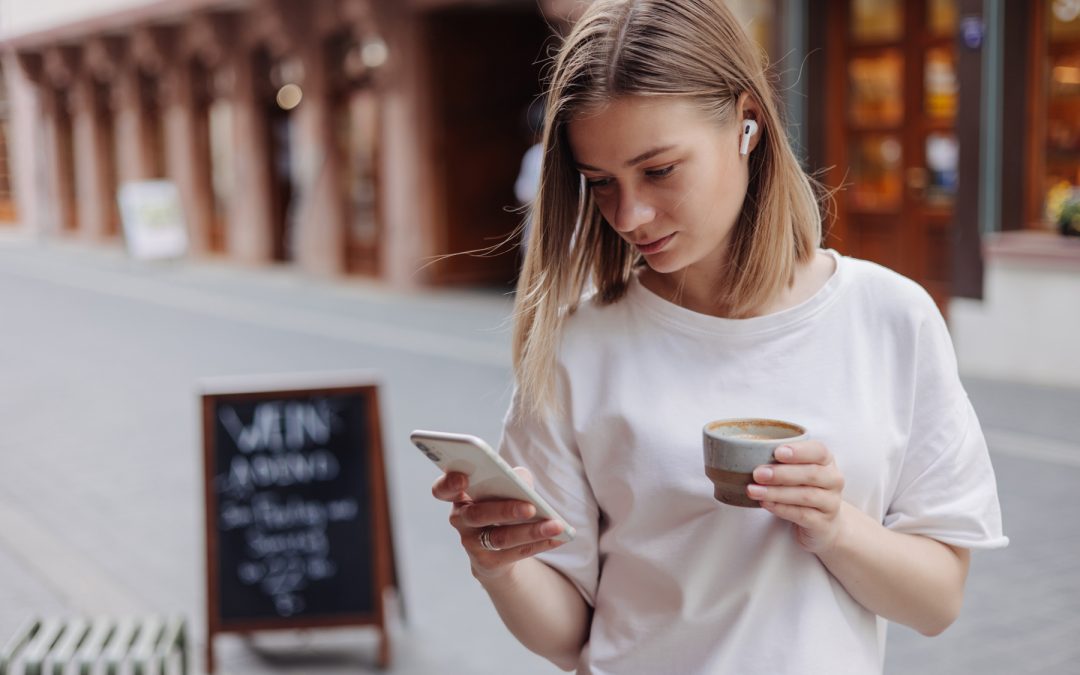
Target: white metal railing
[{"x": 102, "y": 646}]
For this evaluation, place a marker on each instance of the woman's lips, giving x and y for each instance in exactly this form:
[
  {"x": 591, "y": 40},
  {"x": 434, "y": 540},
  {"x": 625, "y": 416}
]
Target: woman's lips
[{"x": 655, "y": 246}]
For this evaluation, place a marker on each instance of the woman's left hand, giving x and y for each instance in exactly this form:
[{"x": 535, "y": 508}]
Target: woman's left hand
[{"x": 805, "y": 488}]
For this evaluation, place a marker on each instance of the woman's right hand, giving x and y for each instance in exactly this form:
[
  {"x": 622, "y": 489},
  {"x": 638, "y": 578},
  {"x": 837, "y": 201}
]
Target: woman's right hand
[{"x": 507, "y": 521}]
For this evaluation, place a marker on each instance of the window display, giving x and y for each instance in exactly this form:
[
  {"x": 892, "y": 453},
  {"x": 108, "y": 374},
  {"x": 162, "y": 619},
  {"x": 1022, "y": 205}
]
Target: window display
[
  {"x": 877, "y": 89},
  {"x": 877, "y": 20},
  {"x": 1061, "y": 79},
  {"x": 875, "y": 172},
  {"x": 943, "y": 17},
  {"x": 940, "y": 83},
  {"x": 942, "y": 160}
]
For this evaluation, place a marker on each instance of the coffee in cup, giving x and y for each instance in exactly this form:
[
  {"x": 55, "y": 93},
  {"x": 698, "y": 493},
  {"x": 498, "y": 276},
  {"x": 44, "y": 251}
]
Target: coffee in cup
[{"x": 735, "y": 447}]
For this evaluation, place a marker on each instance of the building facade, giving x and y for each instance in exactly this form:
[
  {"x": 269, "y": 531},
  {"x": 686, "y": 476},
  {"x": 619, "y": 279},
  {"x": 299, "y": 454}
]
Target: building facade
[
  {"x": 375, "y": 137},
  {"x": 345, "y": 136}
]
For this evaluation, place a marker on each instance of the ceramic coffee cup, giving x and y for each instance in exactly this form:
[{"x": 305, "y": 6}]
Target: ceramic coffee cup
[{"x": 735, "y": 447}]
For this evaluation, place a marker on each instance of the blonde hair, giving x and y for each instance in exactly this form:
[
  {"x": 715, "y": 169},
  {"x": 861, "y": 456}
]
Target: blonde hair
[{"x": 695, "y": 49}]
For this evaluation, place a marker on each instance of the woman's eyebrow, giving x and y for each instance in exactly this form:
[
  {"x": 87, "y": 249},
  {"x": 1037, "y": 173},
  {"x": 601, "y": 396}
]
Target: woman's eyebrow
[{"x": 643, "y": 157}]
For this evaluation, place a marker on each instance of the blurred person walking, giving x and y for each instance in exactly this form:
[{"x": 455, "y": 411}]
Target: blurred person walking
[{"x": 701, "y": 235}]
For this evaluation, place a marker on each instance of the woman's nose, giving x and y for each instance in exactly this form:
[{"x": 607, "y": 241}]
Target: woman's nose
[{"x": 632, "y": 212}]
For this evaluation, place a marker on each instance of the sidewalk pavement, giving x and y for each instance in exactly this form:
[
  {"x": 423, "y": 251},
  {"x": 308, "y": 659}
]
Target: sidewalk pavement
[{"x": 69, "y": 545}]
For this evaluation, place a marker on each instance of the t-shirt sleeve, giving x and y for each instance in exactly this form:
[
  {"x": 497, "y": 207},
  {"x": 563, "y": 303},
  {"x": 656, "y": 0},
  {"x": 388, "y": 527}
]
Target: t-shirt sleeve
[
  {"x": 946, "y": 488},
  {"x": 546, "y": 447}
]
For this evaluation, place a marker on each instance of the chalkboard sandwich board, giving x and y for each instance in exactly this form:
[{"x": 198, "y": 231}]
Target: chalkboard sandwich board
[{"x": 297, "y": 519}]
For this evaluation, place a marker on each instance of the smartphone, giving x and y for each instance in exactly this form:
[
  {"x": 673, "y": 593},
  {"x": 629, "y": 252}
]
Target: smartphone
[{"x": 490, "y": 477}]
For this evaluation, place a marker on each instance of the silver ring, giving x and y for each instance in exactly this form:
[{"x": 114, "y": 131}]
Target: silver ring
[{"x": 485, "y": 540}]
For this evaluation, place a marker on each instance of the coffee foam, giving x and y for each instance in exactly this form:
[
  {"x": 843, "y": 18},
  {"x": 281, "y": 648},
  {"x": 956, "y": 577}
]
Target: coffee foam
[{"x": 754, "y": 429}]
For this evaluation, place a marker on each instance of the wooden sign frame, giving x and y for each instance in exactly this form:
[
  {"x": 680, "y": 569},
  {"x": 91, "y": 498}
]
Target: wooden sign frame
[{"x": 384, "y": 567}]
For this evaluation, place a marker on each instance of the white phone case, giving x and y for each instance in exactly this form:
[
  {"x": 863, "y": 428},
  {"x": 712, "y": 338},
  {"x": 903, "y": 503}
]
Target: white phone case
[{"x": 490, "y": 477}]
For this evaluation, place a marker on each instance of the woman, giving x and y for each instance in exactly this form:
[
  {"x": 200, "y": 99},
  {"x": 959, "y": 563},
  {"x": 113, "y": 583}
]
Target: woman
[{"x": 700, "y": 235}]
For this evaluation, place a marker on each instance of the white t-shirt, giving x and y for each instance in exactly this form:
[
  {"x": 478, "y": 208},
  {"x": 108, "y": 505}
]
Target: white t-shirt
[{"x": 680, "y": 583}]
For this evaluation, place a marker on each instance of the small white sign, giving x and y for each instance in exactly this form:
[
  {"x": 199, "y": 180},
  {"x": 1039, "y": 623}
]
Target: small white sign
[{"x": 153, "y": 219}]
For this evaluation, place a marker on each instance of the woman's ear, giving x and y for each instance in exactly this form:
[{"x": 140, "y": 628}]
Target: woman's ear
[{"x": 750, "y": 129}]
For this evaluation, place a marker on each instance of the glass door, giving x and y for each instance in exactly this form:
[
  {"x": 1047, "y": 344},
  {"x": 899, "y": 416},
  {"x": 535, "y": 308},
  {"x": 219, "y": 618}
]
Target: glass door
[{"x": 896, "y": 125}]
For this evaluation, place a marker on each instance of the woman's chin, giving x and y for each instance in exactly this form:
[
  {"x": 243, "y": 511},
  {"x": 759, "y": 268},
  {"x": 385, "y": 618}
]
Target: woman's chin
[{"x": 662, "y": 264}]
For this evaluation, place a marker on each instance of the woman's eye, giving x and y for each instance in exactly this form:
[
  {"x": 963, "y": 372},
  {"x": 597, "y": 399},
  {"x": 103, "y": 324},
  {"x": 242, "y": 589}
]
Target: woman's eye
[
  {"x": 660, "y": 173},
  {"x": 594, "y": 183}
]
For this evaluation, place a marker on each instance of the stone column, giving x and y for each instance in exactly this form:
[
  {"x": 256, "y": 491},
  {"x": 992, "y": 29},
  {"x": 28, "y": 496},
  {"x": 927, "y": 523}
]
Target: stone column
[
  {"x": 250, "y": 237},
  {"x": 408, "y": 183},
  {"x": 59, "y": 68},
  {"x": 207, "y": 40},
  {"x": 187, "y": 154},
  {"x": 60, "y": 158},
  {"x": 27, "y": 138},
  {"x": 94, "y": 189},
  {"x": 134, "y": 142},
  {"x": 321, "y": 219}
]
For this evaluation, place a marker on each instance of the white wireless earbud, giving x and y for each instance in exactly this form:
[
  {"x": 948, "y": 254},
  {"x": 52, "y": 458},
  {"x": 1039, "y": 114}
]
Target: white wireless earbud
[{"x": 749, "y": 128}]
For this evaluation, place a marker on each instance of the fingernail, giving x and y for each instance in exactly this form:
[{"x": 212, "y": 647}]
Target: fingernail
[
  {"x": 763, "y": 474},
  {"x": 550, "y": 528},
  {"x": 784, "y": 452},
  {"x": 755, "y": 491},
  {"x": 523, "y": 511}
]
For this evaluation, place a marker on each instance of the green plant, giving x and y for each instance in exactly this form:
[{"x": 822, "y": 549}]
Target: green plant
[
  {"x": 1063, "y": 208},
  {"x": 1069, "y": 218}
]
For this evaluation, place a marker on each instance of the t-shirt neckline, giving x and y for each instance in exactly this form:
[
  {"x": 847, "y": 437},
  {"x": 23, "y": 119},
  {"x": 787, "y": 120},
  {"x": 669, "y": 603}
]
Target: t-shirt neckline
[{"x": 698, "y": 322}]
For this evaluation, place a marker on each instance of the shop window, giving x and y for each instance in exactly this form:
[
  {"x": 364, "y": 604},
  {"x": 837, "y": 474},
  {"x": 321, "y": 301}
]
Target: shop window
[
  {"x": 942, "y": 159},
  {"x": 942, "y": 17},
  {"x": 876, "y": 182},
  {"x": 877, "y": 85},
  {"x": 940, "y": 83},
  {"x": 1060, "y": 78},
  {"x": 877, "y": 20},
  {"x": 1064, "y": 21}
]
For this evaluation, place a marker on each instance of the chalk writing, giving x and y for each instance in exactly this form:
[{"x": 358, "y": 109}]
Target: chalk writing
[{"x": 291, "y": 500}]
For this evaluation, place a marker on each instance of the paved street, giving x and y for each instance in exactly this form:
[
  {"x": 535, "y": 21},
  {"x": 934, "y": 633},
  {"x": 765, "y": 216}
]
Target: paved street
[{"x": 100, "y": 461}]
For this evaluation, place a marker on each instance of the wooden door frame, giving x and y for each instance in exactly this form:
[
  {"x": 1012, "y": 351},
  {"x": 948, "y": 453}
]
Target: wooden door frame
[
  {"x": 8, "y": 208},
  {"x": 1036, "y": 105},
  {"x": 1018, "y": 96},
  {"x": 967, "y": 257}
]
